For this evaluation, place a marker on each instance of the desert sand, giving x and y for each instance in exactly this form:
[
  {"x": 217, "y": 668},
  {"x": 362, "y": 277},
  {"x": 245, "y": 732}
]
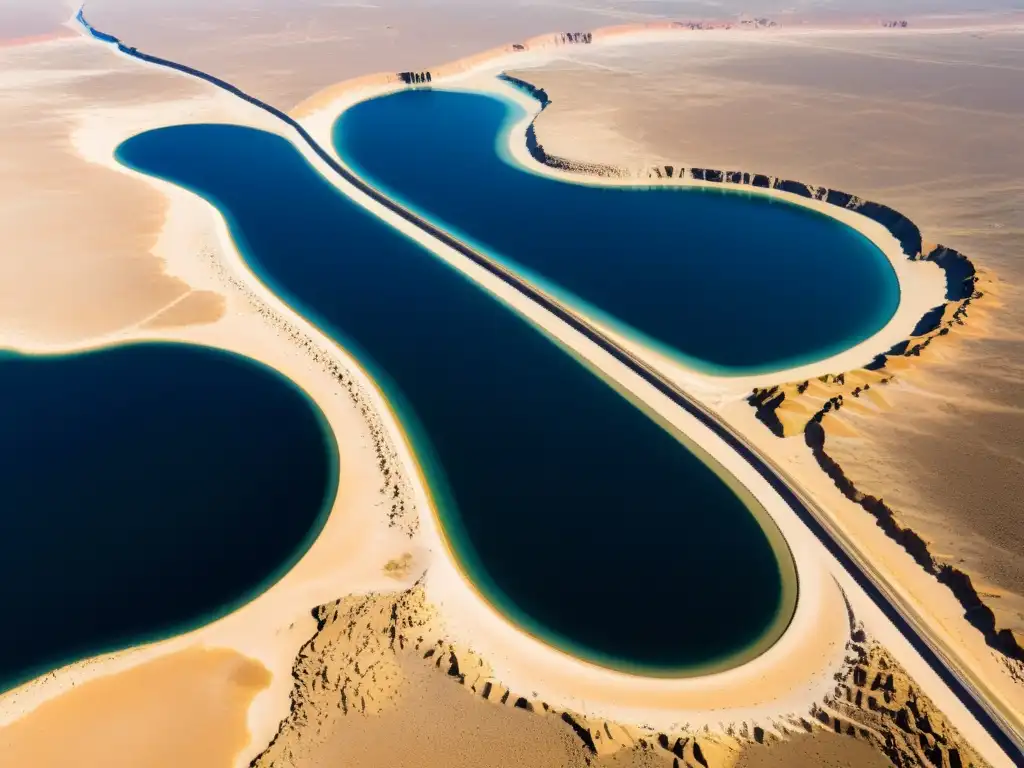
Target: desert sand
[
  {"x": 194, "y": 257},
  {"x": 124, "y": 721}
]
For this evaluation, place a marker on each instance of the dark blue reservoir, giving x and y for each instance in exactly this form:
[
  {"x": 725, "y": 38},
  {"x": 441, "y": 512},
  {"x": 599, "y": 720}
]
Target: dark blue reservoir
[
  {"x": 148, "y": 489},
  {"x": 727, "y": 281},
  {"x": 577, "y": 515}
]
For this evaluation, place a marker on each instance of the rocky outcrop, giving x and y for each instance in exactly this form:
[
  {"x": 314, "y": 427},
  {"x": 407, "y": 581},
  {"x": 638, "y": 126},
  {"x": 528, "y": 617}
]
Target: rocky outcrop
[
  {"x": 759, "y": 22},
  {"x": 570, "y": 38},
  {"x": 414, "y": 78},
  {"x": 353, "y": 666},
  {"x": 875, "y": 699},
  {"x": 813, "y": 408},
  {"x": 959, "y": 583}
]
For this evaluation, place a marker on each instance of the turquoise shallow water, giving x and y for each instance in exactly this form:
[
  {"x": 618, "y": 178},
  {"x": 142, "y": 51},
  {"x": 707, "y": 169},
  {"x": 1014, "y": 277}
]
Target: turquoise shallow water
[
  {"x": 147, "y": 490},
  {"x": 579, "y": 517},
  {"x": 727, "y": 281}
]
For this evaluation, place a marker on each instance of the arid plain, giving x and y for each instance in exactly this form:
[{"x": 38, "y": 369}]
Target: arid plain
[{"x": 926, "y": 124}]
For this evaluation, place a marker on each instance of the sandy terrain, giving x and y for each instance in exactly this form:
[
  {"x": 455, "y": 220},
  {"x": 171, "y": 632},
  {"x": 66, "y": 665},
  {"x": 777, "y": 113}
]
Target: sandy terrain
[
  {"x": 92, "y": 272},
  {"x": 276, "y": 50},
  {"x": 194, "y": 258},
  {"x": 374, "y": 668},
  {"x": 187, "y": 708},
  {"x": 822, "y": 749}
]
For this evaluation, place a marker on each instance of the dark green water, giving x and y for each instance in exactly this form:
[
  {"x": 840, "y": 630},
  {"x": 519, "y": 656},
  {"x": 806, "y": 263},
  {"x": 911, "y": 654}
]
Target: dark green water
[
  {"x": 147, "y": 490},
  {"x": 711, "y": 277},
  {"x": 576, "y": 515}
]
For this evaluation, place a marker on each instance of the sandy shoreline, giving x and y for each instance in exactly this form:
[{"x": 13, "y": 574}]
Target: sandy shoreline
[
  {"x": 449, "y": 589},
  {"x": 922, "y": 283},
  {"x": 926, "y": 292},
  {"x": 933, "y": 571},
  {"x": 791, "y": 674},
  {"x": 789, "y": 677},
  {"x": 351, "y": 552}
]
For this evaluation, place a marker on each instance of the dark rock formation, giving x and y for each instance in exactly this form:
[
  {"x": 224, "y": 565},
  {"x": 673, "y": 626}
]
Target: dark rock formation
[
  {"x": 875, "y": 700},
  {"x": 575, "y": 38},
  {"x": 537, "y": 151},
  {"x": 976, "y": 612},
  {"x": 414, "y": 78},
  {"x": 528, "y": 88}
]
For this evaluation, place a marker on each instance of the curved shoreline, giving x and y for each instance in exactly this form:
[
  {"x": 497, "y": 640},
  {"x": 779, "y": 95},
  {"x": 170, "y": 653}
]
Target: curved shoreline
[
  {"x": 963, "y": 287},
  {"x": 920, "y": 291},
  {"x": 672, "y": 353},
  {"x": 153, "y": 637},
  {"x": 360, "y": 536},
  {"x": 960, "y": 273},
  {"x": 451, "y": 520},
  {"x": 326, "y": 163},
  {"x": 318, "y": 113},
  {"x": 448, "y": 586}
]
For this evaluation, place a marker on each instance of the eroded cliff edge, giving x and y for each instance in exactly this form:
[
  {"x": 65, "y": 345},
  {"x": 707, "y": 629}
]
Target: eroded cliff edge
[
  {"x": 812, "y": 407},
  {"x": 367, "y": 646}
]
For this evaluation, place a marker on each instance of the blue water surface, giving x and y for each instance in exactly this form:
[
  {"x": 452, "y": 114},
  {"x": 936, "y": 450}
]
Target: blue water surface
[
  {"x": 581, "y": 518},
  {"x": 147, "y": 490},
  {"x": 725, "y": 280}
]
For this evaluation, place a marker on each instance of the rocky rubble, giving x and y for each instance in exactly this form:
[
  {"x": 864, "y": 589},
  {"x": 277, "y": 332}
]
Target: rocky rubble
[{"x": 353, "y": 666}]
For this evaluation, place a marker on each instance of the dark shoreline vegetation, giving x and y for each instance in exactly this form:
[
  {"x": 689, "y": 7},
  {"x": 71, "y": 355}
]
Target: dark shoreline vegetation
[
  {"x": 575, "y": 514},
  {"x": 150, "y": 489},
  {"x": 697, "y": 273}
]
